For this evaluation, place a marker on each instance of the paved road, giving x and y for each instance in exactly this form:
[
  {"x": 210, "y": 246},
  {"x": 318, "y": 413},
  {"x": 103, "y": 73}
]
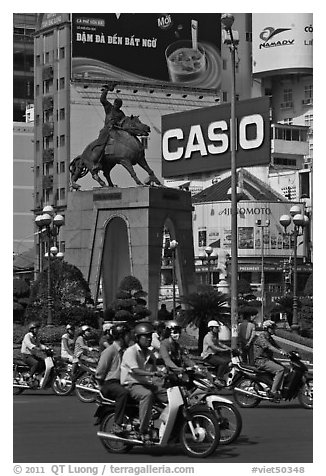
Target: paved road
[{"x": 51, "y": 429}]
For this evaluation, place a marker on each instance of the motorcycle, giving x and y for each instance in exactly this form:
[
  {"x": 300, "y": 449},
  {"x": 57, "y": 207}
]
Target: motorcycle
[
  {"x": 56, "y": 375},
  {"x": 195, "y": 427},
  {"x": 85, "y": 385},
  {"x": 205, "y": 391},
  {"x": 252, "y": 385}
]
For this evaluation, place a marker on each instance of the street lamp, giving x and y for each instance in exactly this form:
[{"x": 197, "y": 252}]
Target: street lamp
[
  {"x": 209, "y": 251},
  {"x": 173, "y": 247},
  {"x": 231, "y": 38},
  {"x": 262, "y": 276},
  {"x": 50, "y": 223},
  {"x": 300, "y": 221}
]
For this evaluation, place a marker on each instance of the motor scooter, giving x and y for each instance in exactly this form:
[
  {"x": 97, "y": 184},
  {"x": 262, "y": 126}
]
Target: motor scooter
[
  {"x": 204, "y": 390},
  {"x": 252, "y": 385},
  {"x": 195, "y": 427},
  {"x": 84, "y": 382},
  {"x": 56, "y": 375}
]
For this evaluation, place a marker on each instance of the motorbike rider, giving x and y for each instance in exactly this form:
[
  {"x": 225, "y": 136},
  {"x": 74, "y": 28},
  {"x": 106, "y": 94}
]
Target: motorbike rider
[
  {"x": 81, "y": 348},
  {"x": 108, "y": 373},
  {"x": 106, "y": 338},
  {"x": 68, "y": 343},
  {"x": 174, "y": 356},
  {"x": 31, "y": 350},
  {"x": 157, "y": 337},
  {"x": 138, "y": 368},
  {"x": 215, "y": 352},
  {"x": 264, "y": 346}
]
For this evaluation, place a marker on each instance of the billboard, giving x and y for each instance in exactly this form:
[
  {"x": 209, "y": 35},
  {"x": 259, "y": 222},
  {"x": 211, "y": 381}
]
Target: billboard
[
  {"x": 282, "y": 41},
  {"x": 179, "y": 49},
  {"x": 215, "y": 229},
  {"x": 199, "y": 140}
]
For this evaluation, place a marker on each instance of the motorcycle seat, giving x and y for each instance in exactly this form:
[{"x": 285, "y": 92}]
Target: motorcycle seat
[
  {"x": 248, "y": 367},
  {"x": 20, "y": 362}
]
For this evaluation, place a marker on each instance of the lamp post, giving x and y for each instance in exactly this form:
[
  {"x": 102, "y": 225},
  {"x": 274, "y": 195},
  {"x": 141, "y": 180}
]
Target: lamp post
[
  {"x": 209, "y": 251},
  {"x": 173, "y": 247},
  {"x": 231, "y": 38},
  {"x": 262, "y": 276},
  {"x": 300, "y": 221},
  {"x": 50, "y": 223}
]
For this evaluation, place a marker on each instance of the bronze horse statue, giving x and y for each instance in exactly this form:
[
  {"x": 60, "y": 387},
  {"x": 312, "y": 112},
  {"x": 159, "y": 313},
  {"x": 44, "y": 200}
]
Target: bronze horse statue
[{"x": 123, "y": 147}]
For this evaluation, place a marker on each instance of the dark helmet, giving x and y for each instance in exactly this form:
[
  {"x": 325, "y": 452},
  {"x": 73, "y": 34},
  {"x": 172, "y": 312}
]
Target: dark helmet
[
  {"x": 143, "y": 328},
  {"x": 33, "y": 325},
  {"x": 173, "y": 325},
  {"x": 117, "y": 103},
  {"x": 119, "y": 331}
]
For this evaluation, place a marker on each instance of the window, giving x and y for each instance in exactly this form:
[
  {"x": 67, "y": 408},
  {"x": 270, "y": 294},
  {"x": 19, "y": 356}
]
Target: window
[
  {"x": 48, "y": 168},
  {"x": 37, "y": 145},
  {"x": 48, "y": 195},
  {"x": 62, "y": 194},
  {"x": 48, "y": 116},
  {"x": 47, "y": 86},
  {"x": 288, "y": 120},
  {"x": 62, "y": 53},
  {"x": 225, "y": 63},
  {"x": 37, "y": 172},
  {"x": 38, "y": 60},
  {"x": 308, "y": 91},
  {"x": 287, "y": 95},
  {"x": 224, "y": 96},
  {"x": 62, "y": 114},
  {"x": 48, "y": 142},
  {"x": 62, "y": 140},
  {"x": 309, "y": 120},
  {"x": 37, "y": 90},
  {"x": 47, "y": 57},
  {"x": 62, "y": 83},
  {"x": 62, "y": 167}
]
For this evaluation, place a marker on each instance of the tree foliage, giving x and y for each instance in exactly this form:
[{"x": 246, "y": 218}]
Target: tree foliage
[
  {"x": 68, "y": 291},
  {"x": 204, "y": 304},
  {"x": 21, "y": 291},
  {"x": 129, "y": 304}
]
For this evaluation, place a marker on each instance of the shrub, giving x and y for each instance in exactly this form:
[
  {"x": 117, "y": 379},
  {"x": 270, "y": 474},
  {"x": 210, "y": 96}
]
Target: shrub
[{"x": 294, "y": 337}]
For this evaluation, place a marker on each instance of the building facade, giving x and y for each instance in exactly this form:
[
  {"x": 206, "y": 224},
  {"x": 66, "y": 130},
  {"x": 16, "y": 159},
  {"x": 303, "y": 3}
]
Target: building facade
[{"x": 68, "y": 114}]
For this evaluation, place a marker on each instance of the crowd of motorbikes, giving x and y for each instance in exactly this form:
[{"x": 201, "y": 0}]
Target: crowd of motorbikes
[{"x": 196, "y": 416}]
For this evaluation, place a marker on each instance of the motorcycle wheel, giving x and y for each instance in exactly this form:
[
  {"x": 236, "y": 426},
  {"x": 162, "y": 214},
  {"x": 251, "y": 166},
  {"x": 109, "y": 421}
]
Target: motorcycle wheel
[
  {"x": 230, "y": 422},
  {"x": 17, "y": 390},
  {"x": 246, "y": 401},
  {"x": 62, "y": 383},
  {"x": 110, "y": 445},
  {"x": 305, "y": 395},
  {"x": 207, "y": 432},
  {"x": 83, "y": 395}
]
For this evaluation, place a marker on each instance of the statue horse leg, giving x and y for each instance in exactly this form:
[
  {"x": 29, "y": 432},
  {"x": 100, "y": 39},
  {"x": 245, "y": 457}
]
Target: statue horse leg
[
  {"x": 127, "y": 165},
  {"x": 144, "y": 165},
  {"x": 107, "y": 167}
]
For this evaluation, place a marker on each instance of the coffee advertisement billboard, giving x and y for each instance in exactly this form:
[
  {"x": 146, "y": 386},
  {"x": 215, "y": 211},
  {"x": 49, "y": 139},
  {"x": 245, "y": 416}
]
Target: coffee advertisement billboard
[{"x": 179, "y": 49}]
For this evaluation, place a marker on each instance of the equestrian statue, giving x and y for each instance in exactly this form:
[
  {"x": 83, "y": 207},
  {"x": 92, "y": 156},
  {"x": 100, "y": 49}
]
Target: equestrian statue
[{"x": 117, "y": 143}]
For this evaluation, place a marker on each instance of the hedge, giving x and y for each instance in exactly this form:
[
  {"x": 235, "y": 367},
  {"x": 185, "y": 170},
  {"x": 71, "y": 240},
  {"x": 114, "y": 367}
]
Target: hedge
[{"x": 294, "y": 337}]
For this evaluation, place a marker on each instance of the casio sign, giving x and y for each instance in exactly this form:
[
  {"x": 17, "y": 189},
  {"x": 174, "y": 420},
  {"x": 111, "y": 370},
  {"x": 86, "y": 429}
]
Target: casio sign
[{"x": 216, "y": 141}]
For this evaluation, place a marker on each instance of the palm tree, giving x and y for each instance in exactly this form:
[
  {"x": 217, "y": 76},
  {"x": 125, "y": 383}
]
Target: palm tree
[{"x": 202, "y": 306}]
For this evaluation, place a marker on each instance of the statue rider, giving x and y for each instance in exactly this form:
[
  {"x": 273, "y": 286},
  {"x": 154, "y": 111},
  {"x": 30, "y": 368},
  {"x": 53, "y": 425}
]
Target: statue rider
[{"x": 113, "y": 115}]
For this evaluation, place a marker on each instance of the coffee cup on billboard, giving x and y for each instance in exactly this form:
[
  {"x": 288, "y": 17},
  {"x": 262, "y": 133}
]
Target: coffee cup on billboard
[{"x": 185, "y": 63}]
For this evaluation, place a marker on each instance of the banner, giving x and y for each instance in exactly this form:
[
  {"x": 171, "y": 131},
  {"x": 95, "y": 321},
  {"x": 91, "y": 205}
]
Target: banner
[
  {"x": 179, "y": 49},
  {"x": 199, "y": 140},
  {"x": 282, "y": 42}
]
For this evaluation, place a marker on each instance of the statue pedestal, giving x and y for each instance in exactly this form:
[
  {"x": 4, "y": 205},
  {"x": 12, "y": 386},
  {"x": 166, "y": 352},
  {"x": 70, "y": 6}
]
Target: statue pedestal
[{"x": 116, "y": 232}]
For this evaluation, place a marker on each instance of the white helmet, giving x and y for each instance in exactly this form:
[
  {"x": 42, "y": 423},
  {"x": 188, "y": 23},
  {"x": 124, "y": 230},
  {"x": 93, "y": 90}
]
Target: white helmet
[
  {"x": 213, "y": 324},
  {"x": 268, "y": 323},
  {"x": 106, "y": 326},
  {"x": 85, "y": 328}
]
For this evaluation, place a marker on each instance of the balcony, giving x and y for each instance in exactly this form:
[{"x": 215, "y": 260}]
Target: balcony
[
  {"x": 289, "y": 139},
  {"x": 48, "y": 181},
  {"x": 48, "y": 155},
  {"x": 47, "y": 103},
  {"x": 47, "y": 73},
  {"x": 47, "y": 129}
]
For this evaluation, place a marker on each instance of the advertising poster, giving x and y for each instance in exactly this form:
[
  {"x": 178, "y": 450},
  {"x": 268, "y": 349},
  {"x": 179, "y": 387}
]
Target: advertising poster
[
  {"x": 199, "y": 140},
  {"x": 282, "y": 41},
  {"x": 156, "y": 48},
  {"x": 246, "y": 237},
  {"x": 227, "y": 238}
]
